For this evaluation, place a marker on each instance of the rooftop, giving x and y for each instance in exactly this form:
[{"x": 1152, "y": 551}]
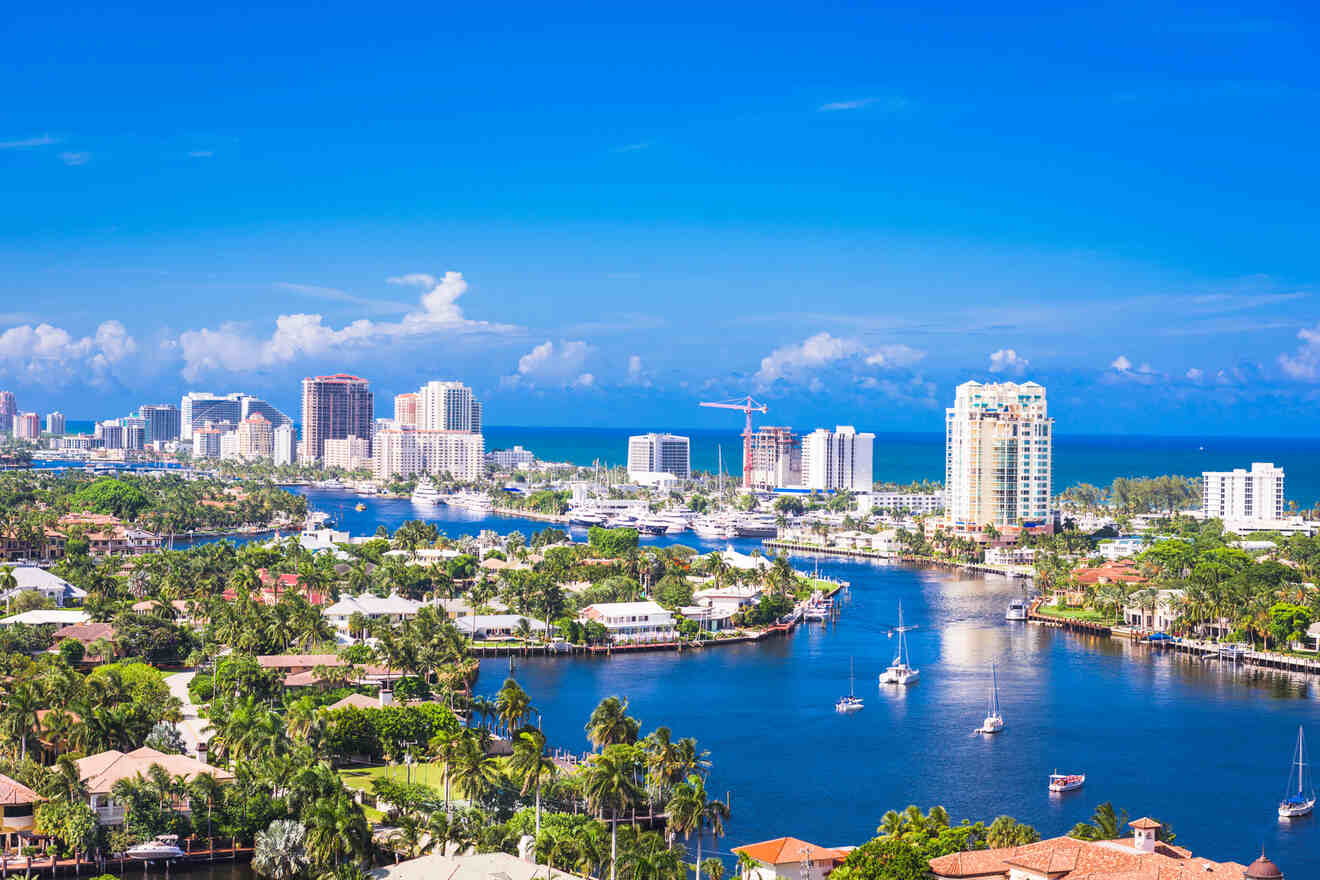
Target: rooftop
[
  {"x": 1065, "y": 858},
  {"x": 101, "y": 771},
  {"x": 789, "y": 850}
]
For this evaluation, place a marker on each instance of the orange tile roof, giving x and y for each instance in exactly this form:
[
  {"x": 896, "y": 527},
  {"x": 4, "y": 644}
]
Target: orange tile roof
[
  {"x": 14, "y": 792},
  {"x": 1065, "y": 858},
  {"x": 101, "y": 771},
  {"x": 786, "y": 850},
  {"x": 1147, "y": 823}
]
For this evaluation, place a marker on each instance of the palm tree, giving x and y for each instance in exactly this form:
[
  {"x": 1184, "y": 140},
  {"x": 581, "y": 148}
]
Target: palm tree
[
  {"x": 609, "y": 784},
  {"x": 1105, "y": 824},
  {"x": 20, "y": 714},
  {"x": 512, "y": 704},
  {"x": 474, "y": 771},
  {"x": 279, "y": 852},
  {"x": 445, "y": 746},
  {"x": 336, "y": 830},
  {"x": 530, "y": 764},
  {"x": 609, "y": 724}
]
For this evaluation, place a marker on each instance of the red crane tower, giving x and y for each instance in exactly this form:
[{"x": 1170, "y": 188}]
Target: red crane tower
[{"x": 747, "y": 406}]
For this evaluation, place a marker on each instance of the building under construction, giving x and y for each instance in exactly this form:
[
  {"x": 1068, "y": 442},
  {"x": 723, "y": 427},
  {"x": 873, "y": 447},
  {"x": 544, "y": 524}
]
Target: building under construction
[{"x": 774, "y": 458}]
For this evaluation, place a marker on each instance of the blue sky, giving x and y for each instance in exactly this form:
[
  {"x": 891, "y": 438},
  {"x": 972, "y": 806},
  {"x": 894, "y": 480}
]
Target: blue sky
[{"x": 602, "y": 214}]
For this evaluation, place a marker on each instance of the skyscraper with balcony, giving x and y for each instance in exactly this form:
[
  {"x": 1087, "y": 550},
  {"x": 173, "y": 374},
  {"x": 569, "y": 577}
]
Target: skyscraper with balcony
[
  {"x": 659, "y": 454},
  {"x": 448, "y": 406},
  {"x": 1244, "y": 495},
  {"x": 838, "y": 459},
  {"x": 998, "y": 455},
  {"x": 197, "y": 408},
  {"x": 334, "y": 408},
  {"x": 405, "y": 410},
  {"x": 285, "y": 445},
  {"x": 163, "y": 422},
  {"x": 55, "y": 423},
  {"x": 27, "y": 426},
  {"x": 8, "y": 407},
  {"x": 776, "y": 454}
]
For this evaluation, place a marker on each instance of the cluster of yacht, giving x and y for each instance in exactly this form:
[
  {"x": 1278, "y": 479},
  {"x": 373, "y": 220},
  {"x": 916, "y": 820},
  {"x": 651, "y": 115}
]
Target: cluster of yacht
[
  {"x": 427, "y": 495},
  {"x": 715, "y": 526}
]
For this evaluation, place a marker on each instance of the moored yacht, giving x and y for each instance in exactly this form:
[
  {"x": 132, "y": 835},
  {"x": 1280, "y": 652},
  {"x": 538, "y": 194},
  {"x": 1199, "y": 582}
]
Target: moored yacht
[
  {"x": 1066, "y": 781},
  {"x": 426, "y": 493},
  {"x": 901, "y": 672},
  {"x": 1017, "y": 610},
  {"x": 166, "y": 846},
  {"x": 1299, "y": 801},
  {"x": 994, "y": 719}
]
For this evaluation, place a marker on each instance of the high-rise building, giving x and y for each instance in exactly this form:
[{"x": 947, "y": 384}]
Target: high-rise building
[
  {"x": 1242, "y": 494},
  {"x": 55, "y": 423},
  {"x": 398, "y": 452},
  {"x": 838, "y": 459},
  {"x": 109, "y": 435},
  {"x": 163, "y": 422},
  {"x": 334, "y": 408},
  {"x": 998, "y": 455},
  {"x": 206, "y": 442},
  {"x": 8, "y": 406},
  {"x": 199, "y": 407},
  {"x": 349, "y": 453},
  {"x": 659, "y": 454},
  {"x": 255, "y": 405},
  {"x": 285, "y": 445},
  {"x": 135, "y": 432},
  {"x": 776, "y": 455},
  {"x": 27, "y": 426},
  {"x": 256, "y": 437},
  {"x": 448, "y": 406},
  {"x": 405, "y": 410},
  {"x": 511, "y": 458}
]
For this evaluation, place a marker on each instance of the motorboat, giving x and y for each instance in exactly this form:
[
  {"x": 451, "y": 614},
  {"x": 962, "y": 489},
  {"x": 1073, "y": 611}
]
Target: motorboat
[
  {"x": 752, "y": 525},
  {"x": 901, "y": 671},
  {"x": 994, "y": 719},
  {"x": 359, "y": 507},
  {"x": 1066, "y": 781},
  {"x": 580, "y": 517},
  {"x": 1017, "y": 610},
  {"x": 1301, "y": 800},
  {"x": 852, "y": 702},
  {"x": 165, "y": 846},
  {"x": 426, "y": 493}
]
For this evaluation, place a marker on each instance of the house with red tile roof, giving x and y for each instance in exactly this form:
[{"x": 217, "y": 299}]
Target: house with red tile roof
[
  {"x": 783, "y": 857},
  {"x": 17, "y": 803},
  {"x": 100, "y": 772},
  {"x": 273, "y": 586},
  {"x": 1143, "y": 856}
]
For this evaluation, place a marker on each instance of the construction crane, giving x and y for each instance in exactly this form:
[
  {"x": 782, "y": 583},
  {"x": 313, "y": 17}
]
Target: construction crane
[{"x": 747, "y": 406}]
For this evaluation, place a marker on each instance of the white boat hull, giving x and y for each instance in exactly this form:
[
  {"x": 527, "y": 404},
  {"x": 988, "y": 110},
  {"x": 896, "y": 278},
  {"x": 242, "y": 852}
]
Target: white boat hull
[
  {"x": 153, "y": 853},
  {"x": 1068, "y": 785},
  {"x": 901, "y": 675},
  {"x": 992, "y": 724},
  {"x": 1293, "y": 811}
]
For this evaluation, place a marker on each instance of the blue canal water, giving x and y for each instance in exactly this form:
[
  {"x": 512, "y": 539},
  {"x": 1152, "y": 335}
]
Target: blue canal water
[{"x": 1195, "y": 744}]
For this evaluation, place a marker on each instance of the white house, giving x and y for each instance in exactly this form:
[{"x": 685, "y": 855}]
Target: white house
[
  {"x": 52, "y": 586},
  {"x": 1121, "y": 548},
  {"x": 42, "y": 616},
  {"x": 1157, "y": 617},
  {"x": 632, "y": 621},
  {"x": 393, "y": 608},
  {"x": 486, "y": 627}
]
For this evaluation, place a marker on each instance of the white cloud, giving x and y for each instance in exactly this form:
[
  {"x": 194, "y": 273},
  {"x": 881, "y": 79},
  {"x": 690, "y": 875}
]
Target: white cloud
[
  {"x": 1007, "y": 360},
  {"x": 1121, "y": 363},
  {"x": 637, "y": 372},
  {"x": 894, "y": 355},
  {"x": 1124, "y": 371},
  {"x": 557, "y": 365},
  {"x": 41, "y": 140},
  {"x": 51, "y": 355},
  {"x": 1195, "y": 374},
  {"x": 795, "y": 362},
  {"x": 1304, "y": 363},
  {"x": 229, "y": 347},
  {"x": 893, "y": 104},
  {"x": 75, "y": 158}
]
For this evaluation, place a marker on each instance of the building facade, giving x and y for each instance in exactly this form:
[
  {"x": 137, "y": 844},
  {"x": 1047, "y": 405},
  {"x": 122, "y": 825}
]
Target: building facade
[
  {"x": 405, "y": 410},
  {"x": 206, "y": 442},
  {"x": 838, "y": 459},
  {"x": 197, "y": 408},
  {"x": 349, "y": 453},
  {"x": 55, "y": 423},
  {"x": 109, "y": 435},
  {"x": 776, "y": 454},
  {"x": 998, "y": 455},
  {"x": 334, "y": 408},
  {"x": 251, "y": 406},
  {"x": 256, "y": 437},
  {"x": 163, "y": 422},
  {"x": 8, "y": 407},
  {"x": 402, "y": 453},
  {"x": 659, "y": 454},
  {"x": 448, "y": 406},
  {"x": 285, "y": 445},
  {"x": 1242, "y": 494},
  {"x": 27, "y": 426},
  {"x": 511, "y": 458}
]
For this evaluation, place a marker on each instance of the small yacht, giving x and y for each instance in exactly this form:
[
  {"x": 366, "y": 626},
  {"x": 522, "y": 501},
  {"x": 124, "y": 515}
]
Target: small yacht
[
  {"x": 1066, "y": 781},
  {"x": 852, "y": 702},
  {"x": 426, "y": 493},
  {"x": 1017, "y": 610},
  {"x": 165, "y": 846},
  {"x": 1299, "y": 801},
  {"x": 901, "y": 672},
  {"x": 994, "y": 719}
]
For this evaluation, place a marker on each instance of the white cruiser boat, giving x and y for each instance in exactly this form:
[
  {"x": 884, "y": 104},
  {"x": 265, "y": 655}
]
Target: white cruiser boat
[
  {"x": 994, "y": 719},
  {"x": 717, "y": 527},
  {"x": 1066, "y": 781},
  {"x": 427, "y": 493},
  {"x": 753, "y": 525},
  {"x": 1017, "y": 610},
  {"x": 585, "y": 518},
  {"x": 901, "y": 672},
  {"x": 473, "y": 501},
  {"x": 166, "y": 846},
  {"x": 852, "y": 702},
  {"x": 1299, "y": 801},
  {"x": 652, "y": 525}
]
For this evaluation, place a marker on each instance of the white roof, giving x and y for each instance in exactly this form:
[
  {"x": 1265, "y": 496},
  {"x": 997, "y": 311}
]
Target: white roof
[
  {"x": 64, "y": 617},
  {"x": 30, "y": 577},
  {"x": 618, "y": 609},
  {"x": 730, "y": 591},
  {"x": 370, "y": 604},
  {"x": 744, "y": 561},
  {"x": 477, "y": 866},
  {"x": 474, "y": 622}
]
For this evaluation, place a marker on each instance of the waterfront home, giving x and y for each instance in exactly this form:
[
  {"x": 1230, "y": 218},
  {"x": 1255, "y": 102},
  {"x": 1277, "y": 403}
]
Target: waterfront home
[
  {"x": 87, "y": 634},
  {"x": 300, "y": 669},
  {"x": 394, "y": 608},
  {"x": 714, "y": 607},
  {"x": 473, "y": 866},
  {"x": 1114, "y": 549},
  {"x": 99, "y": 773},
  {"x": 631, "y": 621},
  {"x": 273, "y": 586},
  {"x": 110, "y": 536},
  {"x": 1156, "y": 611},
  {"x": 14, "y": 547},
  {"x": 1143, "y": 855},
  {"x": 51, "y": 586},
  {"x": 742, "y": 561},
  {"x": 784, "y": 858},
  {"x": 1010, "y": 555},
  {"x": 17, "y": 804},
  {"x": 490, "y": 627},
  {"x": 44, "y": 616}
]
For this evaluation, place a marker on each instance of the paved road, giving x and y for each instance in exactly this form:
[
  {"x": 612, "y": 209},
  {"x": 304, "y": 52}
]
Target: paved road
[{"x": 193, "y": 725}]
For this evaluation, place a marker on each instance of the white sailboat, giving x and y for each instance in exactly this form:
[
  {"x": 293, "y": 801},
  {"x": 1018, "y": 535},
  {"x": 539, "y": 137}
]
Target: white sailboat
[
  {"x": 852, "y": 702},
  {"x": 994, "y": 719},
  {"x": 1301, "y": 801},
  {"x": 901, "y": 672}
]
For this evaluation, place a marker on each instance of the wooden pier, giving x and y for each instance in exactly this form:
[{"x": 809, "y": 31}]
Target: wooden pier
[{"x": 37, "y": 866}]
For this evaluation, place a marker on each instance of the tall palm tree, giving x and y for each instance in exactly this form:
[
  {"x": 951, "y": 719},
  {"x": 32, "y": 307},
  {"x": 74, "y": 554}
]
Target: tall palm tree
[
  {"x": 512, "y": 704},
  {"x": 609, "y": 785},
  {"x": 279, "y": 852},
  {"x": 21, "y": 705},
  {"x": 444, "y": 745},
  {"x": 530, "y": 764},
  {"x": 474, "y": 771},
  {"x": 609, "y": 724}
]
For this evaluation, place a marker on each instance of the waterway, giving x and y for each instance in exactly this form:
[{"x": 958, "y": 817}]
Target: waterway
[{"x": 1196, "y": 744}]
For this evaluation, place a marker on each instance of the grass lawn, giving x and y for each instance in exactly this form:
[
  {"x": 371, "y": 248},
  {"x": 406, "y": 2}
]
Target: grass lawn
[
  {"x": 361, "y": 777},
  {"x": 1087, "y": 615}
]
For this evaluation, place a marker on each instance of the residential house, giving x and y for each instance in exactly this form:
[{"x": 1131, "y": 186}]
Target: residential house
[
  {"x": 631, "y": 621},
  {"x": 474, "y": 866},
  {"x": 788, "y": 858},
  {"x": 30, "y": 578},
  {"x": 14, "y": 547},
  {"x": 714, "y": 607},
  {"x": 1121, "y": 571},
  {"x": 300, "y": 669},
  {"x": 100, "y": 772},
  {"x": 393, "y": 608},
  {"x": 17, "y": 803},
  {"x": 110, "y": 536},
  {"x": 1155, "y": 615},
  {"x": 86, "y": 634},
  {"x": 1143, "y": 855},
  {"x": 45, "y": 616},
  {"x": 492, "y": 627}
]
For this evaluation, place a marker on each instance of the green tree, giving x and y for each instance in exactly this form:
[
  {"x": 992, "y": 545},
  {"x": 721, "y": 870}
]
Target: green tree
[{"x": 280, "y": 852}]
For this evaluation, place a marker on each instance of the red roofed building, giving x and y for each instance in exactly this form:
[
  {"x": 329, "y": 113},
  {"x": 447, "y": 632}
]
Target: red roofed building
[
  {"x": 1140, "y": 857},
  {"x": 783, "y": 858},
  {"x": 273, "y": 586},
  {"x": 1119, "y": 571},
  {"x": 16, "y": 807}
]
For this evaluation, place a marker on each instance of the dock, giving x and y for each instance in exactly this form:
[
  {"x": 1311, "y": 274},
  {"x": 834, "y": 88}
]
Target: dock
[{"x": 37, "y": 866}]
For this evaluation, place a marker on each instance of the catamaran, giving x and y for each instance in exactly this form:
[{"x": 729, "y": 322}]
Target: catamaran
[
  {"x": 1066, "y": 781},
  {"x": 1301, "y": 801},
  {"x": 901, "y": 671},
  {"x": 852, "y": 702},
  {"x": 994, "y": 720}
]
